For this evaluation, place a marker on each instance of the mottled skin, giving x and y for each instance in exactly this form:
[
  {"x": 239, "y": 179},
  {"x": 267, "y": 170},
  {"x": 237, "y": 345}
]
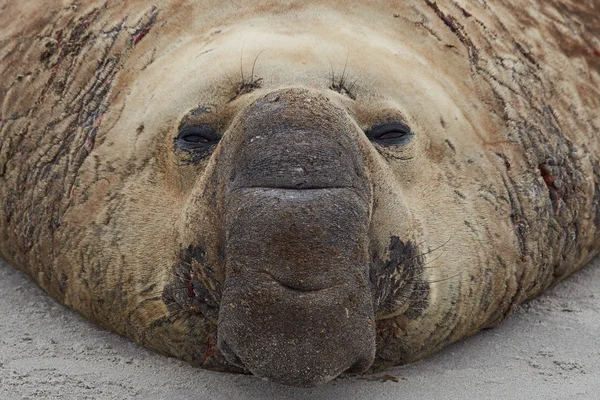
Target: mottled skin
[{"x": 382, "y": 254}]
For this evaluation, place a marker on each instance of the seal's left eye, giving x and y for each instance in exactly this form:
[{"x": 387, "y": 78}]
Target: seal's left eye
[
  {"x": 390, "y": 134},
  {"x": 193, "y": 137}
]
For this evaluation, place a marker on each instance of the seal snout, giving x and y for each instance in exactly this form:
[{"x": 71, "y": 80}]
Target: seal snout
[{"x": 296, "y": 306}]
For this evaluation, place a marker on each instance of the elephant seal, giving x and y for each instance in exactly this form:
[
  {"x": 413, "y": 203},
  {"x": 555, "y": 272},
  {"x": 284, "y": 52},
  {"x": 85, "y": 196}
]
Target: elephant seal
[{"x": 299, "y": 188}]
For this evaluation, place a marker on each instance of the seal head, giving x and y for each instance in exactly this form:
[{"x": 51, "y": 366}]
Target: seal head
[{"x": 392, "y": 177}]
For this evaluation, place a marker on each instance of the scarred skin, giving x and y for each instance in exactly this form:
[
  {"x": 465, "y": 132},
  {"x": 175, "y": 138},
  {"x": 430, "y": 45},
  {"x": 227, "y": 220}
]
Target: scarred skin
[{"x": 393, "y": 252}]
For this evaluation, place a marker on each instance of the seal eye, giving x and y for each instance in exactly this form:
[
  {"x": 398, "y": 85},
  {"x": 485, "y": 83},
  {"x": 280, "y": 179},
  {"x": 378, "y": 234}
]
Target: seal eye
[
  {"x": 196, "y": 137},
  {"x": 390, "y": 134}
]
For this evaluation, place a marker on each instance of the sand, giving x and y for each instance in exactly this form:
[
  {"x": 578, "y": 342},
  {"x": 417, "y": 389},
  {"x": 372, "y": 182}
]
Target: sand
[{"x": 549, "y": 349}]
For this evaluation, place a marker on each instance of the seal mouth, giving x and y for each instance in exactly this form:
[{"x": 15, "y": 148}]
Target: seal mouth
[
  {"x": 292, "y": 337},
  {"x": 299, "y": 287},
  {"x": 283, "y": 187},
  {"x": 297, "y": 305}
]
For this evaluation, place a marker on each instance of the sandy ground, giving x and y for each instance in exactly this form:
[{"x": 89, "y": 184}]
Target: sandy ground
[{"x": 549, "y": 349}]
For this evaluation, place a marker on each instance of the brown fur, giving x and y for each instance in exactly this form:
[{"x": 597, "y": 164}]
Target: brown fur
[{"x": 501, "y": 187}]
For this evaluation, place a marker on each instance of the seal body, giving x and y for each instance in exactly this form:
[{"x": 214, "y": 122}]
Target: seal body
[{"x": 299, "y": 188}]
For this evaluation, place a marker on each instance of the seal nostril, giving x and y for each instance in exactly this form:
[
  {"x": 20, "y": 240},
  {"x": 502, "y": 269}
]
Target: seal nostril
[{"x": 230, "y": 355}]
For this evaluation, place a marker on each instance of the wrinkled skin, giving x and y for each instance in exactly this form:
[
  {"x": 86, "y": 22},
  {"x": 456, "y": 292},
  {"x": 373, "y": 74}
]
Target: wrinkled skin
[{"x": 292, "y": 246}]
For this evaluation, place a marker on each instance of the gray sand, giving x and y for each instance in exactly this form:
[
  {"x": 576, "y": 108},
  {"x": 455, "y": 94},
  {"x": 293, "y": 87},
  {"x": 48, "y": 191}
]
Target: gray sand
[{"x": 549, "y": 349}]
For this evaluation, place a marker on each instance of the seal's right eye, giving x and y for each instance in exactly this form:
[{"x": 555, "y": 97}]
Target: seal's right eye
[
  {"x": 390, "y": 134},
  {"x": 196, "y": 137}
]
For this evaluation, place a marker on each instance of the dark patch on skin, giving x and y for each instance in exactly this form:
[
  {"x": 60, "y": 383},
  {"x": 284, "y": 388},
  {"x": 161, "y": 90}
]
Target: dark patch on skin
[
  {"x": 514, "y": 301},
  {"x": 196, "y": 288},
  {"x": 505, "y": 159},
  {"x": 565, "y": 180},
  {"x": 205, "y": 52},
  {"x": 526, "y": 54},
  {"x": 487, "y": 283},
  {"x": 149, "y": 289},
  {"x": 49, "y": 52},
  {"x": 587, "y": 23},
  {"x": 458, "y": 29},
  {"x": 465, "y": 13},
  {"x": 548, "y": 174},
  {"x": 519, "y": 228},
  {"x": 80, "y": 35},
  {"x": 501, "y": 262},
  {"x": 596, "y": 198},
  {"x": 201, "y": 110},
  {"x": 459, "y": 194},
  {"x": 145, "y": 27},
  {"x": 62, "y": 283},
  {"x": 518, "y": 221},
  {"x": 451, "y": 145},
  {"x": 198, "y": 115},
  {"x": 397, "y": 281}
]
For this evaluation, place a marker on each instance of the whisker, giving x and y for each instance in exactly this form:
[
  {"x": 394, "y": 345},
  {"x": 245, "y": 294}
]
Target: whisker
[
  {"x": 229, "y": 79},
  {"x": 354, "y": 84},
  {"x": 417, "y": 308},
  {"x": 254, "y": 64},
  {"x": 429, "y": 262},
  {"x": 344, "y": 71},
  {"x": 242, "y": 62},
  {"x": 174, "y": 100},
  {"x": 401, "y": 254},
  {"x": 445, "y": 279},
  {"x": 430, "y": 251},
  {"x": 406, "y": 296},
  {"x": 419, "y": 291},
  {"x": 332, "y": 73}
]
